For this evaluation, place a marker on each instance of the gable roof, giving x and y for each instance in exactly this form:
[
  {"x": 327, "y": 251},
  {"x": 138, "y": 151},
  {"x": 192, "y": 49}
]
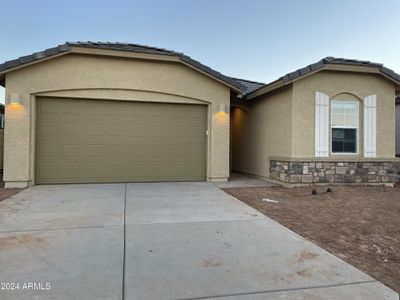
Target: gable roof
[
  {"x": 330, "y": 63},
  {"x": 137, "y": 48},
  {"x": 249, "y": 86}
]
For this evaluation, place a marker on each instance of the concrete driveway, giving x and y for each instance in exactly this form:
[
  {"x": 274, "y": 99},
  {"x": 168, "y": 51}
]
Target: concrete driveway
[{"x": 161, "y": 241}]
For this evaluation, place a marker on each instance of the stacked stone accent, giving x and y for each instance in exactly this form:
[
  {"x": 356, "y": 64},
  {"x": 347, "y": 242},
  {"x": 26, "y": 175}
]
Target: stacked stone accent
[{"x": 307, "y": 172}]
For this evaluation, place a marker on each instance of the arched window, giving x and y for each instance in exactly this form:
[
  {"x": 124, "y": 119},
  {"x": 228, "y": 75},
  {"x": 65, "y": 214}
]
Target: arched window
[{"x": 345, "y": 126}]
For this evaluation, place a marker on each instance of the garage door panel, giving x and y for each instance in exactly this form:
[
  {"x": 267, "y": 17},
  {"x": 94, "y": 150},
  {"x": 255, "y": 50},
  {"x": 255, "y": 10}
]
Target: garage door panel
[
  {"x": 116, "y": 171},
  {"x": 194, "y": 131},
  {"x": 196, "y": 150},
  {"x": 50, "y": 107},
  {"x": 95, "y": 129},
  {"x": 71, "y": 107},
  {"x": 162, "y": 172},
  {"x": 177, "y": 131},
  {"x": 177, "y": 119},
  {"x": 70, "y": 129},
  {"x": 157, "y": 151},
  {"x": 196, "y": 171},
  {"x": 47, "y": 173},
  {"x": 68, "y": 172},
  {"x": 116, "y": 151},
  {"x": 48, "y": 127},
  {"x": 178, "y": 151},
  {"x": 73, "y": 117},
  {"x": 156, "y": 131},
  {"x": 137, "y": 173},
  {"x": 95, "y": 150},
  {"x": 136, "y": 130},
  {"x": 135, "y": 120},
  {"x": 136, "y": 151},
  {"x": 48, "y": 150},
  {"x": 111, "y": 141},
  {"x": 114, "y": 130},
  {"x": 70, "y": 150},
  {"x": 93, "y": 172}
]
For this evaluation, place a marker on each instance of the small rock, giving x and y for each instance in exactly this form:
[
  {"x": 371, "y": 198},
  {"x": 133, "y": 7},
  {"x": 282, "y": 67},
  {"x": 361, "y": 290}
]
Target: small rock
[
  {"x": 270, "y": 200},
  {"x": 329, "y": 190},
  {"x": 313, "y": 192}
]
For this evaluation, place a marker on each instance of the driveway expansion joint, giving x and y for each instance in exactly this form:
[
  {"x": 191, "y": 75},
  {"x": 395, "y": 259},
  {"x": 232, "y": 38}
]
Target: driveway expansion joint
[
  {"x": 198, "y": 222},
  {"x": 124, "y": 245},
  {"x": 60, "y": 229},
  {"x": 279, "y": 290}
]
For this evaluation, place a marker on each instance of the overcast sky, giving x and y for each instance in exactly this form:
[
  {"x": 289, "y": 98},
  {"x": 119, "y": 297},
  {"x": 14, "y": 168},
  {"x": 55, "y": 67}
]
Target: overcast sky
[{"x": 257, "y": 40}]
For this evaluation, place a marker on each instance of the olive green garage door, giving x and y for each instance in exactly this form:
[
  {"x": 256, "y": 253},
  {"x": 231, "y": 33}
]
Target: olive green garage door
[{"x": 83, "y": 141}]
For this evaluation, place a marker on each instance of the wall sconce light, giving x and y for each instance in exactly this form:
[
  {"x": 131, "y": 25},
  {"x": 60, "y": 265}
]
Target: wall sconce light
[
  {"x": 223, "y": 108},
  {"x": 15, "y": 99}
]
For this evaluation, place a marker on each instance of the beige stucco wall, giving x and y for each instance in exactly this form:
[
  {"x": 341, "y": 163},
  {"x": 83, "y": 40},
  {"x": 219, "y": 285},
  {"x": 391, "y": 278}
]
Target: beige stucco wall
[
  {"x": 332, "y": 83},
  {"x": 261, "y": 132},
  {"x": 280, "y": 125},
  {"x": 101, "y": 77}
]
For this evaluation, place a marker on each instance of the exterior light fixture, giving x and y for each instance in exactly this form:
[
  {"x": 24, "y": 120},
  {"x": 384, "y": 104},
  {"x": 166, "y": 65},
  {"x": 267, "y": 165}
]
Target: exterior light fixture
[
  {"x": 223, "y": 108},
  {"x": 15, "y": 99}
]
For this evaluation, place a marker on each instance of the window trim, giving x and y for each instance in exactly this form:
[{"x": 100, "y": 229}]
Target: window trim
[{"x": 357, "y": 128}]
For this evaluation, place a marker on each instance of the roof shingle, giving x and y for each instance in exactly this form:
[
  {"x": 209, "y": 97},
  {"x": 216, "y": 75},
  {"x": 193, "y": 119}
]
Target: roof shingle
[{"x": 249, "y": 85}]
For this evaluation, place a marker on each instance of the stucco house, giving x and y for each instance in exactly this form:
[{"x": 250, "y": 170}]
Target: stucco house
[
  {"x": 332, "y": 121},
  {"x": 87, "y": 112}
]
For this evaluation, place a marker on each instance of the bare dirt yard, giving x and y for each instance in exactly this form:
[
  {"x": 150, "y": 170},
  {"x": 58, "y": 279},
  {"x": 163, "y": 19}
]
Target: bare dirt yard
[{"x": 359, "y": 224}]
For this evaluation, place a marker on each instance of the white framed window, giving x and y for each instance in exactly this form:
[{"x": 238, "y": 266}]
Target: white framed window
[{"x": 344, "y": 127}]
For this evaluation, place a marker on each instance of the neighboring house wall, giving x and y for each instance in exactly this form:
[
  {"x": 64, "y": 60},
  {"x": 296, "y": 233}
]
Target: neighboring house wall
[
  {"x": 261, "y": 131},
  {"x": 101, "y": 77},
  {"x": 398, "y": 128},
  {"x": 2, "y": 121},
  {"x": 1, "y": 148}
]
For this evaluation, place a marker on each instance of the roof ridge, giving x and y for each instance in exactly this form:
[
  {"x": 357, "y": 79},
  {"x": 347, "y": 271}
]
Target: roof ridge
[
  {"x": 77, "y": 43},
  {"x": 324, "y": 61},
  {"x": 118, "y": 46},
  {"x": 252, "y": 81},
  {"x": 330, "y": 60}
]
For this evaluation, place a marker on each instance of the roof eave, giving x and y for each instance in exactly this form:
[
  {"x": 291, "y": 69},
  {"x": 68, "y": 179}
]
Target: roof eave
[
  {"x": 51, "y": 53},
  {"x": 285, "y": 80},
  {"x": 266, "y": 89},
  {"x": 33, "y": 62},
  {"x": 231, "y": 86}
]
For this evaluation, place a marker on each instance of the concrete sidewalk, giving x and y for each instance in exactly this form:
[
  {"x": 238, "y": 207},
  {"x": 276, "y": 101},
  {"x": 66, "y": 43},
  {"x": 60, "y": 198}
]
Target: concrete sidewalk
[
  {"x": 238, "y": 180},
  {"x": 162, "y": 241}
]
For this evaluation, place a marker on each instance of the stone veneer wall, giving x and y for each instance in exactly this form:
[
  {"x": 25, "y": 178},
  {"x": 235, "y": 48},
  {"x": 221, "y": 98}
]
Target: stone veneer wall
[{"x": 334, "y": 172}]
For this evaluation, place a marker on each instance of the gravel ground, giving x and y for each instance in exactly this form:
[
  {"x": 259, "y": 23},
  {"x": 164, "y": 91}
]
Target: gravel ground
[{"x": 359, "y": 224}]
